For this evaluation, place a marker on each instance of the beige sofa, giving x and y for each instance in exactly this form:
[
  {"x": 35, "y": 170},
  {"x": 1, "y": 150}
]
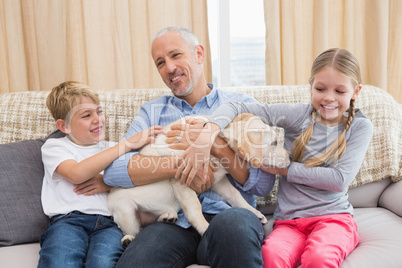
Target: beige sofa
[{"x": 24, "y": 122}]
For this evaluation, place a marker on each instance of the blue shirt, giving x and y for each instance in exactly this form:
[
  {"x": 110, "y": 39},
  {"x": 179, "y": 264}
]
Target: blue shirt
[{"x": 167, "y": 109}]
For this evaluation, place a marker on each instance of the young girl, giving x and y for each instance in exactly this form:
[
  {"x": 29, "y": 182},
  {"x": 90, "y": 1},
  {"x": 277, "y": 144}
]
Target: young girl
[{"x": 328, "y": 139}]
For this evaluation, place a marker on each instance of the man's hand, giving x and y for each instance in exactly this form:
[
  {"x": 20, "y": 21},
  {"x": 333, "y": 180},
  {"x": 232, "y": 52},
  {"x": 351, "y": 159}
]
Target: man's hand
[
  {"x": 197, "y": 156},
  {"x": 200, "y": 184},
  {"x": 181, "y": 136},
  {"x": 95, "y": 185}
]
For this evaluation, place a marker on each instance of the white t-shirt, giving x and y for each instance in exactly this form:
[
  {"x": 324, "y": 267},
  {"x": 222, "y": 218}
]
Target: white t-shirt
[{"x": 58, "y": 196}]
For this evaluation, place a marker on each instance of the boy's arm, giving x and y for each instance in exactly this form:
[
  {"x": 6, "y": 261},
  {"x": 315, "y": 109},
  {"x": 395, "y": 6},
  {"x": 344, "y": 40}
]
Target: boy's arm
[
  {"x": 79, "y": 172},
  {"x": 94, "y": 185}
]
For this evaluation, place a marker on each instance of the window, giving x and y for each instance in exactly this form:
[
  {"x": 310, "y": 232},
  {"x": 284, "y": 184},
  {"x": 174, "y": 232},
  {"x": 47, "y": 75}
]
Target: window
[{"x": 237, "y": 39}]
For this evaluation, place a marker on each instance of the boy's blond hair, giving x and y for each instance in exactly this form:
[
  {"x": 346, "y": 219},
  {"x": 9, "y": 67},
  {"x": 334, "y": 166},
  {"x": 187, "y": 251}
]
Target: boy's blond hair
[{"x": 63, "y": 97}]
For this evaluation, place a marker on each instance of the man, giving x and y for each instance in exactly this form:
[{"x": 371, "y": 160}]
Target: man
[{"x": 234, "y": 236}]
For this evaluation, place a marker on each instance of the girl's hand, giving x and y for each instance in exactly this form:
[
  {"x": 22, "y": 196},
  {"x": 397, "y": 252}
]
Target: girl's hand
[
  {"x": 275, "y": 170},
  {"x": 94, "y": 185},
  {"x": 144, "y": 137},
  {"x": 197, "y": 156}
]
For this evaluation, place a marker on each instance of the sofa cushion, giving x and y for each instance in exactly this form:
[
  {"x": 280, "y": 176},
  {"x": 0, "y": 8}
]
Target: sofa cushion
[
  {"x": 380, "y": 239},
  {"x": 21, "y": 175},
  {"x": 20, "y": 256},
  {"x": 391, "y": 198}
]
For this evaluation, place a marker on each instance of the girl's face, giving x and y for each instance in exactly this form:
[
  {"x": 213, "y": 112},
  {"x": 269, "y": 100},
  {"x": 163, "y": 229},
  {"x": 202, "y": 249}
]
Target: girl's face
[{"x": 331, "y": 92}]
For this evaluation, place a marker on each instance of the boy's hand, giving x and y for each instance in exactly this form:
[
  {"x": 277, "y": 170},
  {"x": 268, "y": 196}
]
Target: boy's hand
[
  {"x": 144, "y": 137},
  {"x": 94, "y": 185}
]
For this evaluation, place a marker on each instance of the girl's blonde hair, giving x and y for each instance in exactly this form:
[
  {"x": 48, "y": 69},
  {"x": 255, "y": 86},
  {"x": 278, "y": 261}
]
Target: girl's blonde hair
[
  {"x": 63, "y": 97},
  {"x": 346, "y": 63}
]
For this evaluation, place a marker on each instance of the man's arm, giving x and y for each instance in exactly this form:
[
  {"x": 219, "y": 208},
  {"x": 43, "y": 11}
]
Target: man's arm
[
  {"x": 188, "y": 133},
  {"x": 236, "y": 166},
  {"x": 133, "y": 169},
  {"x": 148, "y": 169},
  {"x": 118, "y": 173}
]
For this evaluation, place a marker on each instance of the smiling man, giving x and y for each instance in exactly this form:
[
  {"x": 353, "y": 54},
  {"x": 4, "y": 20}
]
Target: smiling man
[{"x": 234, "y": 236}]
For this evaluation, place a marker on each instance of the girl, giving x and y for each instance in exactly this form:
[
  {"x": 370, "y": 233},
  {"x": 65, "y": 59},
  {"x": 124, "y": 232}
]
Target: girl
[{"x": 328, "y": 138}]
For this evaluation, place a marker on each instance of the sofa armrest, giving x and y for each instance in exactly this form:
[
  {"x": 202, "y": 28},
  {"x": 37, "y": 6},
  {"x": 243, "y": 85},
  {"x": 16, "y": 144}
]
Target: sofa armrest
[
  {"x": 368, "y": 195},
  {"x": 391, "y": 198}
]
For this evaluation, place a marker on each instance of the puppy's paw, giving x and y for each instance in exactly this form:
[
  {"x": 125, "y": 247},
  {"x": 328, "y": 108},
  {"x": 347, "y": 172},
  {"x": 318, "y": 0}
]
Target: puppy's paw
[
  {"x": 202, "y": 228},
  {"x": 169, "y": 216},
  {"x": 261, "y": 216},
  {"x": 126, "y": 240},
  {"x": 263, "y": 220}
]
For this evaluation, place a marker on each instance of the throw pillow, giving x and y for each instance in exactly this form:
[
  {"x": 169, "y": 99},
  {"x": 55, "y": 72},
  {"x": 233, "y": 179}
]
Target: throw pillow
[{"x": 21, "y": 175}]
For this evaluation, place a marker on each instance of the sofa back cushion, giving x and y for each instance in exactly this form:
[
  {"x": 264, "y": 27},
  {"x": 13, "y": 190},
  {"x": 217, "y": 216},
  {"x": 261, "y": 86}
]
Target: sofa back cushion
[{"x": 24, "y": 116}]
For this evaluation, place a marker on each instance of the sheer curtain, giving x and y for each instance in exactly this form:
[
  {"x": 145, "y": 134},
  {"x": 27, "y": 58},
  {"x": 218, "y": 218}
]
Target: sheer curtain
[
  {"x": 103, "y": 43},
  {"x": 298, "y": 31}
]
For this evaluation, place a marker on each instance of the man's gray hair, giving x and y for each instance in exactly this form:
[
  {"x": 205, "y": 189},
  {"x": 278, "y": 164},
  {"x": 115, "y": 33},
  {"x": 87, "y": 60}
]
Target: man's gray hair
[{"x": 187, "y": 35}]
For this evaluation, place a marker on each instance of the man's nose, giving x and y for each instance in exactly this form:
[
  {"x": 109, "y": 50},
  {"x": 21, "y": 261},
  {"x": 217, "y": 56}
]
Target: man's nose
[{"x": 170, "y": 66}]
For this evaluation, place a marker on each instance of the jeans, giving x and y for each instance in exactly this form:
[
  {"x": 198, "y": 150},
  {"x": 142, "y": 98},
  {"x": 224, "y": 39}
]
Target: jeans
[
  {"x": 80, "y": 240},
  {"x": 233, "y": 239}
]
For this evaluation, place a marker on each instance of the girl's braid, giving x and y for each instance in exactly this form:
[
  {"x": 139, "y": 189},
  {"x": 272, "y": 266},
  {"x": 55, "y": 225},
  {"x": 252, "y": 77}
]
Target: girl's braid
[{"x": 351, "y": 115}]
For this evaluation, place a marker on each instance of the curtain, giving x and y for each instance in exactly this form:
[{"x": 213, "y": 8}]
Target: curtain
[
  {"x": 297, "y": 31},
  {"x": 104, "y": 43}
]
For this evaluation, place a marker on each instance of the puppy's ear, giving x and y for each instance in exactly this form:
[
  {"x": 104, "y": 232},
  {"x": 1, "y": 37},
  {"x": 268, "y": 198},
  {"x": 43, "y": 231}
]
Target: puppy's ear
[{"x": 251, "y": 146}]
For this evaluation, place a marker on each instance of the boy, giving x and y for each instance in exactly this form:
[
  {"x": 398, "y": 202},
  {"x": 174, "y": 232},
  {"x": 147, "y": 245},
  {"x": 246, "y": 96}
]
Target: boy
[{"x": 81, "y": 230}]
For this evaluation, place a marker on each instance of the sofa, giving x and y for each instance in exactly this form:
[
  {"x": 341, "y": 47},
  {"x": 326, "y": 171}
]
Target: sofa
[{"x": 376, "y": 192}]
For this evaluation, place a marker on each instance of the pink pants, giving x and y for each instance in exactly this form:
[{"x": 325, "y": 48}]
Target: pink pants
[{"x": 323, "y": 241}]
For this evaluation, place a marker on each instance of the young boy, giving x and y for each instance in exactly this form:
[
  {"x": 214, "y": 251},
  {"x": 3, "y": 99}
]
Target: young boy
[{"x": 81, "y": 230}]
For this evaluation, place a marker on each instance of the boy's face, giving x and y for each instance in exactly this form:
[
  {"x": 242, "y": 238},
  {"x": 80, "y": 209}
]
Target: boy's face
[{"x": 87, "y": 123}]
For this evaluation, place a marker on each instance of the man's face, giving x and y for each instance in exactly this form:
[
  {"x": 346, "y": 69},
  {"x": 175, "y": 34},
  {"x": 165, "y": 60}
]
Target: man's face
[{"x": 179, "y": 66}]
